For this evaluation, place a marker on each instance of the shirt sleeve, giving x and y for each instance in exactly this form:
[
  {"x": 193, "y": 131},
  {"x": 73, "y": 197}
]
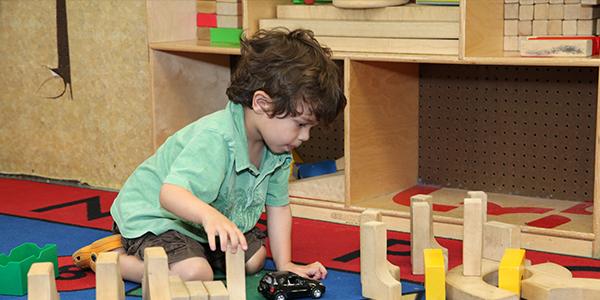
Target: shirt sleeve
[
  {"x": 277, "y": 192},
  {"x": 201, "y": 166}
]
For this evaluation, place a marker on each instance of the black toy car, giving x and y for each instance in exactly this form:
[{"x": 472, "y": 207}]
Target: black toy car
[{"x": 287, "y": 285}]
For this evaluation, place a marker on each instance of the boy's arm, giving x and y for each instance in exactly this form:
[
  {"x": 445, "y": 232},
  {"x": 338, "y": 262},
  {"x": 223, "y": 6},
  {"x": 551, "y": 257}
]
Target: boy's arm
[
  {"x": 279, "y": 226},
  {"x": 185, "y": 205}
]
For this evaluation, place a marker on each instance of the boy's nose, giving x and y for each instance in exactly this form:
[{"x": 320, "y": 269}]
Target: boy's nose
[{"x": 304, "y": 135}]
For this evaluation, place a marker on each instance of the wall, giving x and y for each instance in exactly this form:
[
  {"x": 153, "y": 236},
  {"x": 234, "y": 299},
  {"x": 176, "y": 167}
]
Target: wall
[{"x": 105, "y": 130}]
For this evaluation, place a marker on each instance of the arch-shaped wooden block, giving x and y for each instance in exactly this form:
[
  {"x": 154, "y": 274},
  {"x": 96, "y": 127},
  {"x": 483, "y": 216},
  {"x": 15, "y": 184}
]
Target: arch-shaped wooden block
[
  {"x": 375, "y": 277},
  {"x": 460, "y": 287},
  {"x": 550, "y": 281}
]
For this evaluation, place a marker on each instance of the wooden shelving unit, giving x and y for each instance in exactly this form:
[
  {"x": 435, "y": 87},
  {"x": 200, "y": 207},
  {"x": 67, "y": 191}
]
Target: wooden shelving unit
[{"x": 381, "y": 121}]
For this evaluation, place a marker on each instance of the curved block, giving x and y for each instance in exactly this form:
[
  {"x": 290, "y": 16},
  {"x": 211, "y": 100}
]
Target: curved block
[
  {"x": 377, "y": 282},
  {"x": 460, "y": 287},
  {"x": 550, "y": 281}
]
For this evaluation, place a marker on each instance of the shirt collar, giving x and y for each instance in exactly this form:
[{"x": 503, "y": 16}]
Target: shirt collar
[{"x": 269, "y": 160}]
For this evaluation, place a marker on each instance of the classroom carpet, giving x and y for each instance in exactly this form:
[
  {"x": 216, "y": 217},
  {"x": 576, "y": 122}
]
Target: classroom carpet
[{"x": 71, "y": 217}]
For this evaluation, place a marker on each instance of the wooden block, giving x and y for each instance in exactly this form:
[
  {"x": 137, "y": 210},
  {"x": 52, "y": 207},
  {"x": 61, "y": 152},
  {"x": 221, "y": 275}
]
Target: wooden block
[
  {"x": 109, "y": 283},
  {"x": 460, "y": 287},
  {"x": 369, "y": 215},
  {"x": 569, "y": 27},
  {"x": 511, "y": 270},
  {"x": 385, "y": 45},
  {"x": 511, "y": 11},
  {"x": 41, "y": 284},
  {"x": 540, "y": 1},
  {"x": 354, "y": 4},
  {"x": 472, "y": 236},
  {"x": 572, "y": 1},
  {"x": 574, "y": 48},
  {"x": 588, "y": 12},
  {"x": 197, "y": 290},
  {"x": 555, "y": 12},
  {"x": 206, "y": 20},
  {"x": 484, "y": 201},
  {"x": 155, "y": 284},
  {"x": 540, "y": 27},
  {"x": 229, "y": 21},
  {"x": 236, "y": 274},
  {"x": 571, "y": 11},
  {"x": 499, "y": 237},
  {"x": 526, "y": 2},
  {"x": 590, "y": 2},
  {"x": 421, "y": 228},
  {"x": 375, "y": 278},
  {"x": 203, "y": 33},
  {"x": 408, "y": 12},
  {"x": 525, "y": 27},
  {"x": 511, "y": 43},
  {"x": 375, "y": 29},
  {"x": 540, "y": 11},
  {"x": 525, "y": 12},
  {"x": 435, "y": 274},
  {"x": 552, "y": 281},
  {"x": 216, "y": 290},
  {"x": 511, "y": 1},
  {"x": 556, "y": 1},
  {"x": 586, "y": 27},
  {"x": 178, "y": 289},
  {"x": 229, "y": 8},
  {"x": 511, "y": 27},
  {"x": 207, "y": 7}
]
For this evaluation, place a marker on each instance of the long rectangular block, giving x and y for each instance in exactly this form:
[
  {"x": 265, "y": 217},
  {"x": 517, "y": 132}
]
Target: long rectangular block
[
  {"x": 380, "y": 29},
  {"x": 575, "y": 48},
  {"x": 408, "y": 12}
]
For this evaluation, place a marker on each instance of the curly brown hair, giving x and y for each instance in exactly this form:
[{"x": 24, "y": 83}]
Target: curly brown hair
[{"x": 290, "y": 66}]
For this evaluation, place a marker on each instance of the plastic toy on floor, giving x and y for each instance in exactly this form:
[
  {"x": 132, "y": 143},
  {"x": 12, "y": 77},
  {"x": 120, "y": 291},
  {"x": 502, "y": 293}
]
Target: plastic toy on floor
[
  {"x": 86, "y": 256},
  {"x": 14, "y": 267},
  {"x": 288, "y": 285}
]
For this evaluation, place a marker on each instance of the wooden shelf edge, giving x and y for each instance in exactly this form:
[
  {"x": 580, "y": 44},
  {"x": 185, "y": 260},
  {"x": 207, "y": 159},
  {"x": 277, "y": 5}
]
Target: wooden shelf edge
[
  {"x": 200, "y": 46},
  {"x": 196, "y": 46},
  {"x": 533, "y": 238}
]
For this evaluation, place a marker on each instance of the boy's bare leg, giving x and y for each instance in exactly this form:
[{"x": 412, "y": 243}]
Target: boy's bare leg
[
  {"x": 193, "y": 268},
  {"x": 132, "y": 268},
  {"x": 257, "y": 261}
]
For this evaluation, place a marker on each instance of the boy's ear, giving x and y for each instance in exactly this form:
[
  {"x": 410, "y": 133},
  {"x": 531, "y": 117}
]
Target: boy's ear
[{"x": 261, "y": 102}]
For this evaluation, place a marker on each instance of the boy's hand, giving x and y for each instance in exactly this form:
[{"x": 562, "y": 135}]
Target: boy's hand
[
  {"x": 216, "y": 224},
  {"x": 313, "y": 271}
]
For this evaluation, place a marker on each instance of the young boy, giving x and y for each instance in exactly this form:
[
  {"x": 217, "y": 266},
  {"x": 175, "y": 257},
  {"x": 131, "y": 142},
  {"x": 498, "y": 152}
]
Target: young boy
[{"x": 206, "y": 186}]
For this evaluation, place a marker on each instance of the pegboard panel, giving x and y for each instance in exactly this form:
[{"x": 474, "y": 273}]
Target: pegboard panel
[
  {"x": 509, "y": 129},
  {"x": 326, "y": 142}
]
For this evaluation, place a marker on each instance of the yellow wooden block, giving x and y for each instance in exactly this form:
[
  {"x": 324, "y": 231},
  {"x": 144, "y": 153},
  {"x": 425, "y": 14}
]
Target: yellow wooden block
[
  {"x": 511, "y": 269},
  {"x": 435, "y": 276}
]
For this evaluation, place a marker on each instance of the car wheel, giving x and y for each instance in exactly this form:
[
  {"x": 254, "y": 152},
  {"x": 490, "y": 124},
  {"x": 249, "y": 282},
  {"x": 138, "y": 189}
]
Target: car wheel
[
  {"x": 280, "y": 297},
  {"x": 316, "y": 293}
]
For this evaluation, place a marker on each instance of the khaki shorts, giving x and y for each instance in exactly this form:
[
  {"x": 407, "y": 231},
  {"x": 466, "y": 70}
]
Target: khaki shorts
[{"x": 179, "y": 246}]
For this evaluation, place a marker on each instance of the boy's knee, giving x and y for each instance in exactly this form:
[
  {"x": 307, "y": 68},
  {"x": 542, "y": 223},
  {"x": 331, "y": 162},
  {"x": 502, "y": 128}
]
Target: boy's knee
[
  {"x": 257, "y": 261},
  {"x": 193, "y": 269}
]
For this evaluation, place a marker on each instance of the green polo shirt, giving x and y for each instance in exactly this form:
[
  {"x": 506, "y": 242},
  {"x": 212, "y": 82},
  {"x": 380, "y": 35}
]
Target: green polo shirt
[{"x": 210, "y": 159}]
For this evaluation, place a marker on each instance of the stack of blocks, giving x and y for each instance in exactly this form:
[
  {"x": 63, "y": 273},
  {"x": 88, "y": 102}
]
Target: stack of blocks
[
  {"x": 524, "y": 18},
  {"x": 410, "y": 28},
  {"x": 157, "y": 283},
  {"x": 219, "y": 21}
]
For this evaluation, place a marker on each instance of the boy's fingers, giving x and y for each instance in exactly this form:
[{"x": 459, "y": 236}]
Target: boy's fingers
[
  {"x": 234, "y": 242},
  {"x": 242, "y": 240},
  {"x": 211, "y": 241},
  {"x": 223, "y": 238}
]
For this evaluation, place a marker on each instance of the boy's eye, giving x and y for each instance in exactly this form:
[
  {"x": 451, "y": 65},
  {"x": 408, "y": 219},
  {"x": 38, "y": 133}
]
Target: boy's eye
[{"x": 301, "y": 124}]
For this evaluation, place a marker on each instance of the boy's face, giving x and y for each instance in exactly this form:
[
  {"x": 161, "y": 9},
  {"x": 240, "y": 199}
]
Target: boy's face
[{"x": 284, "y": 134}]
